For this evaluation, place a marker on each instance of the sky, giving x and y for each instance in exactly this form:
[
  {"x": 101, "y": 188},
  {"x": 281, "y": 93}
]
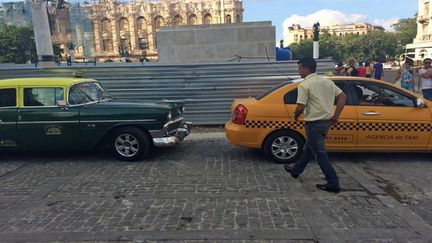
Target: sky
[
  {"x": 306, "y": 12},
  {"x": 284, "y": 13}
]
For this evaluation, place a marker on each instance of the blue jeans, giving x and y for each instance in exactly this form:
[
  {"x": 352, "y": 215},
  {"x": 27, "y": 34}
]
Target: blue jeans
[
  {"x": 427, "y": 94},
  {"x": 316, "y": 132}
]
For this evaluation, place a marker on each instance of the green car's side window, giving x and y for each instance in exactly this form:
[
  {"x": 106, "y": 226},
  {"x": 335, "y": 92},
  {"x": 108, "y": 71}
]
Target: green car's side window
[
  {"x": 42, "y": 96},
  {"x": 7, "y": 97}
]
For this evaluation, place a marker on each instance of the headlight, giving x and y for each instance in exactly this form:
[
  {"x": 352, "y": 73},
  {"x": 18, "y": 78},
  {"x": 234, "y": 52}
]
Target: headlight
[
  {"x": 169, "y": 115},
  {"x": 183, "y": 109}
]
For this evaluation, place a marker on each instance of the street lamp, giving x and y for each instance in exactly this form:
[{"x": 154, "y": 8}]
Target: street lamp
[
  {"x": 123, "y": 51},
  {"x": 71, "y": 47},
  {"x": 27, "y": 54},
  {"x": 143, "y": 46},
  {"x": 316, "y": 28}
]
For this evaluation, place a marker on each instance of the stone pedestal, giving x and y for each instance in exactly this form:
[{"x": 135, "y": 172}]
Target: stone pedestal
[
  {"x": 42, "y": 31},
  {"x": 242, "y": 42}
]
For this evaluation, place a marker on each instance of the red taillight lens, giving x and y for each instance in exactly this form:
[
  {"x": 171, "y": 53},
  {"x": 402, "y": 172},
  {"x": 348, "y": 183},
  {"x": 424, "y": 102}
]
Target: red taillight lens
[{"x": 239, "y": 115}]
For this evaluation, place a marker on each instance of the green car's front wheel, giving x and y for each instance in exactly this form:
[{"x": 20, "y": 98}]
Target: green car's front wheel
[{"x": 130, "y": 144}]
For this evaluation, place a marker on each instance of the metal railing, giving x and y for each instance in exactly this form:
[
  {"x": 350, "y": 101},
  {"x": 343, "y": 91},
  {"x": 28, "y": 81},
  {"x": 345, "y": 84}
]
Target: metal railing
[{"x": 207, "y": 89}]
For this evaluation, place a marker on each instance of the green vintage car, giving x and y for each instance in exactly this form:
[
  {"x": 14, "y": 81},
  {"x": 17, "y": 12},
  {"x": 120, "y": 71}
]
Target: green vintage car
[{"x": 78, "y": 114}]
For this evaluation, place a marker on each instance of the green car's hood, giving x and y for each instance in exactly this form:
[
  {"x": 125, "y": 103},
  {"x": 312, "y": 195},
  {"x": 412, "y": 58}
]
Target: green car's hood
[{"x": 138, "y": 103}]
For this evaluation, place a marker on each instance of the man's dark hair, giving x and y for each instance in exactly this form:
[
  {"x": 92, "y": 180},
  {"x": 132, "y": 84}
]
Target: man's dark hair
[
  {"x": 309, "y": 63},
  {"x": 427, "y": 59},
  {"x": 409, "y": 61}
]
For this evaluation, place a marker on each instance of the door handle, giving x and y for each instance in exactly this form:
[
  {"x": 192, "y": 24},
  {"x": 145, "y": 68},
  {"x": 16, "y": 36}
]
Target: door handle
[{"x": 371, "y": 113}]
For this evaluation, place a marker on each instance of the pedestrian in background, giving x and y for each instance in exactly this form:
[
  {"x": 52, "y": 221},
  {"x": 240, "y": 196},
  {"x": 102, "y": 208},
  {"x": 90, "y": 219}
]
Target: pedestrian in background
[
  {"x": 340, "y": 70},
  {"x": 406, "y": 75},
  {"x": 369, "y": 69},
  {"x": 69, "y": 61},
  {"x": 361, "y": 70},
  {"x": 351, "y": 70},
  {"x": 316, "y": 97},
  {"x": 378, "y": 69},
  {"x": 425, "y": 74}
]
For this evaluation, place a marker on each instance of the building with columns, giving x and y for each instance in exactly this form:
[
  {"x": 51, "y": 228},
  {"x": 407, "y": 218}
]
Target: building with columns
[
  {"x": 422, "y": 44},
  {"x": 116, "y": 29},
  {"x": 104, "y": 30},
  {"x": 296, "y": 33}
]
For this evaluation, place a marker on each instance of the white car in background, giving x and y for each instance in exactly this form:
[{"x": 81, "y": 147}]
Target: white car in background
[{"x": 387, "y": 66}]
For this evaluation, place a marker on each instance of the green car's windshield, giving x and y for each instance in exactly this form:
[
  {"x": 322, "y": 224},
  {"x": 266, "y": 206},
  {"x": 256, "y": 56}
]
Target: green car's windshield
[{"x": 86, "y": 93}]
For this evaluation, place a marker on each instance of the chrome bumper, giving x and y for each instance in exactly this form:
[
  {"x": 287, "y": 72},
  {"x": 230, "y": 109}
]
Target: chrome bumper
[{"x": 176, "y": 138}]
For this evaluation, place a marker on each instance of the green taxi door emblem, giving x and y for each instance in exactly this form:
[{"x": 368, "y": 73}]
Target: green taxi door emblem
[{"x": 53, "y": 129}]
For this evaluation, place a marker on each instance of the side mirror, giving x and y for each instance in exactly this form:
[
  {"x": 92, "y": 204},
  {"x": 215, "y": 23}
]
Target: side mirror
[
  {"x": 420, "y": 103},
  {"x": 61, "y": 103}
]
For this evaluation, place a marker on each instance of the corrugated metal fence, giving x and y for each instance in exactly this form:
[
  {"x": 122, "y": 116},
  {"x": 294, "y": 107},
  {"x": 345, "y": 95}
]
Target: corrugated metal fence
[{"x": 207, "y": 89}]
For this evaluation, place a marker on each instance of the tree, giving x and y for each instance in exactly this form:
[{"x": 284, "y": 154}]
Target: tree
[
  {"x": 16, "y": 44},
  {"x": 377, "y": 44},
  {"x": 405, "y": 31},
  {"x": 302, "y": 49}
]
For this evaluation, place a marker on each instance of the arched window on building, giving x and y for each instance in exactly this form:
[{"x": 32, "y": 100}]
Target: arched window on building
[
  {"x": 228, "y": 19},
  {"x": 123, "y": 24},
  {"x": 207, "y": 19},
  {"x": 238, "y": 18},
  {"x": 141, "y": 23},
  {"x": 192, "y": 19},
  {"x": 106, "y": 25},
  {"x": 158, "y": 22},
  {"x": 107, "y": 45},
  {"x": 88, "y": 27},
  {"x": 177, "y": 20}
]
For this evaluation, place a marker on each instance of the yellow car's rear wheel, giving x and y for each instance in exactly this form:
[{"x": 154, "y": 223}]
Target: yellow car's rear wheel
[{"x": 283, "y": 146}]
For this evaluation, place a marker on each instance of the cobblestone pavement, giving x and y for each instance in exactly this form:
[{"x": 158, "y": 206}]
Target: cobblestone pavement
[{"x": 207, "y": 190}]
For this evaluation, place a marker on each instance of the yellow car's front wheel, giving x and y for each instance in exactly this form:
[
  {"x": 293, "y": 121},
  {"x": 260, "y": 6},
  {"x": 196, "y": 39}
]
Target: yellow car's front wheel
[{"x": 283, "y": 146}]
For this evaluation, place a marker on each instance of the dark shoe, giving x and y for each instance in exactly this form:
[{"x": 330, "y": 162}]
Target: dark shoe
[
  {"x": 327, "y": 187},
  {"x": 290, "y": 169}
]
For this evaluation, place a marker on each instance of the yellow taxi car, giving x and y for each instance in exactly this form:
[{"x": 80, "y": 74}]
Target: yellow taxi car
[{"x": 378, "y": 116}]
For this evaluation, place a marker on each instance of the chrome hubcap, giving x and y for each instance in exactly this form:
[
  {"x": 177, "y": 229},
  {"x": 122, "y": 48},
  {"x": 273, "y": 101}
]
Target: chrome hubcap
[
  {"x": 284, "y": 147},
  {"x": 127, "y": 145}
]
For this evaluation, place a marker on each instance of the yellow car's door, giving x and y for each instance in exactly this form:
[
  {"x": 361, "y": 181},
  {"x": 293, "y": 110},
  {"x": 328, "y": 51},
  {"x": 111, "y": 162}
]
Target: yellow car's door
[
  {"x": 388, "y": 118},
  {"x": 342, "y": 136}
]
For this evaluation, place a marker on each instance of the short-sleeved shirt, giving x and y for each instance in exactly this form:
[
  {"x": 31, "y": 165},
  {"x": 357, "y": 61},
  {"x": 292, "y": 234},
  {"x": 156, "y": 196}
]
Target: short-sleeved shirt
[
  {"x": 361, "y": 72},
  {"x": 426, "y": 83},
  {"x": 378, "y": 68},
  {"x": 317, "y": 94}
]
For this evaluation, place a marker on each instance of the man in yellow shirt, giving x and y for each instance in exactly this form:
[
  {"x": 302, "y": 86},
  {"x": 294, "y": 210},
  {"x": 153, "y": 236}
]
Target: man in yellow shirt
[{"x": 316, "y": 100}]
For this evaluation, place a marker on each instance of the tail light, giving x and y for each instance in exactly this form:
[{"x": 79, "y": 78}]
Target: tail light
[{"x": 239, "y": 115}]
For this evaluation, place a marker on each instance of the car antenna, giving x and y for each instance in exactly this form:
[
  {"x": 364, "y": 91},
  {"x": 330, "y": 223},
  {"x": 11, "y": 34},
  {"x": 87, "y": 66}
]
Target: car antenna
[{"x": 268, "y": 59}]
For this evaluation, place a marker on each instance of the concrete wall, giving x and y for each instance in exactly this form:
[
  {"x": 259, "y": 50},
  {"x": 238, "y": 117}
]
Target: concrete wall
[{"x": 216, "y": 43}]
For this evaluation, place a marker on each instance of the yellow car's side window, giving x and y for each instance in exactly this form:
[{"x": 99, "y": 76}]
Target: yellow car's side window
[
  {"x": 42, "y": 96},
  {"x": 372, "y": 94},
  {"x": 8, "y": 97}
]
